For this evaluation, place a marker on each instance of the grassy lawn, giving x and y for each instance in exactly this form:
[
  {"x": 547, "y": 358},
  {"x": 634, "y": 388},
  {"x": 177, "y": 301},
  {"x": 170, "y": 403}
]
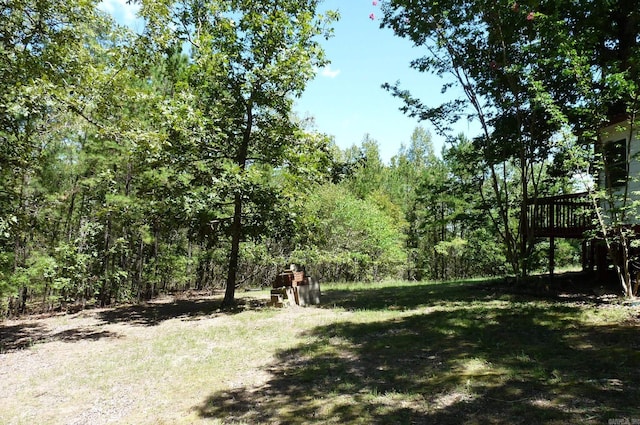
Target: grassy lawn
[{"x": 405, "y": 353}]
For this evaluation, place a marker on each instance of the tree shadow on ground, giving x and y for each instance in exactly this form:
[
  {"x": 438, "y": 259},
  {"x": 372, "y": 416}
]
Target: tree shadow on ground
[
  {"x": 156, "y": 312},
  {"x": 570, "y": 287},
  {"x": 25, "y": 335},
  {"x": 419, "y": 295},
  {"x": 409, "y": 297},
  {"x": 464, "y": 358}
]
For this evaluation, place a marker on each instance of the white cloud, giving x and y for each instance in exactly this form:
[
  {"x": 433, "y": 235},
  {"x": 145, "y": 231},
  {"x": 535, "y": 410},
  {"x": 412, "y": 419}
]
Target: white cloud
[
  {"x": 122, "y": 12},
  {"x": 329, "y": 73}
]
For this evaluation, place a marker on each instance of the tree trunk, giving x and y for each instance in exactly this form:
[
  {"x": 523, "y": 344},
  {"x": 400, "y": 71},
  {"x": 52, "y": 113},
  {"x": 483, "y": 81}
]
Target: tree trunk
[
  {"x": 236, "y": 233},
  {"x": 105, "y": 296},
  {"x": 139, "y": 271},
  {"x": 22, "y": 300},
  {"x": 189, "y": 259},
  {"x": 524, "y": 213},
  {"x": 623, "y": 269},
  {"x": 236, "y": 227}
]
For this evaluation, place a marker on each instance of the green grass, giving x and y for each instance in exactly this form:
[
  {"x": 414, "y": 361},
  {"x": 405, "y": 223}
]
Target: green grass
[{"x": 393, "y": 352}]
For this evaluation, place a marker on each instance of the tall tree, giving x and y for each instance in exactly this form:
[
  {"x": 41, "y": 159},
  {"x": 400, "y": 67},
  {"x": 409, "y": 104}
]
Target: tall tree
[
  {"x": 488, "y": 50},
  {"x": 249, "y": 60},
  {"x": 408, "y": 166},
  {"x": 402, "y": 182},
  {"x": 599, "y": 48},
  {"x": 45, "y": 62},
  {"x": 367, "y": 175}
]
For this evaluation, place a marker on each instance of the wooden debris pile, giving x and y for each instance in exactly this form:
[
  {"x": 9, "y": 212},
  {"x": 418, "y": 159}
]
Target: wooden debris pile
[{"x": 294, "y": 287}]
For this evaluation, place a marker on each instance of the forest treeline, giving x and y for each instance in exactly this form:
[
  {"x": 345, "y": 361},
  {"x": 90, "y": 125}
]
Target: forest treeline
[{"x": 134, "y": 164}]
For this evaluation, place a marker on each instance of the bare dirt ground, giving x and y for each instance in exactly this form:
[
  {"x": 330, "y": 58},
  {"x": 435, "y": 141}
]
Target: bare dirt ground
[{"x": 131, "y": 364}]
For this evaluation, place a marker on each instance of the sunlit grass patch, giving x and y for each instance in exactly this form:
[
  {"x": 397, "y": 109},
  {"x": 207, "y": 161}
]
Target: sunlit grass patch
[{"x": 387, "y": 352}]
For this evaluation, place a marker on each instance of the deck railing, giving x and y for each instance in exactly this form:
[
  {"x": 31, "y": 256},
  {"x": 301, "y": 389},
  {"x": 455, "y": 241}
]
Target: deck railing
[{"x": 563, "y": 216}]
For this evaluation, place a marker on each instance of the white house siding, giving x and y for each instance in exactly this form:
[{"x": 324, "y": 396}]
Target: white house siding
[{"x": 620, "y": 131}]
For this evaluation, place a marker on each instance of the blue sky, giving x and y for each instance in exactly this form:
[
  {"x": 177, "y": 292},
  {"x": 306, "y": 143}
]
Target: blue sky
[{"x": 346, "y": 98}]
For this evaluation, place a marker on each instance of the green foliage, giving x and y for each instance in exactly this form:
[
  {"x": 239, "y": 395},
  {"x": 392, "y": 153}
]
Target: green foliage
[
  {"x": 132, "y": 163},
  {"x": 136, "y": 164},
  {"x": 503, "y": 57},
  {"x": 236, "y": 124},
  {"x": 602, "y": 89},
  {"x": 350, "y": 238},
  {"x": 367, "y": 175},
  {"x": 452, "y": 236},
  {"x": 567, "y": 255}
]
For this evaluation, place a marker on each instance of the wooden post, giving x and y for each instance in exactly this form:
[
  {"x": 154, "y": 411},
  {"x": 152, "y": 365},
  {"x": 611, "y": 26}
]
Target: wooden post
[
  {"x": 552, "y": 256},
  {"x": 552, "y": 242}
]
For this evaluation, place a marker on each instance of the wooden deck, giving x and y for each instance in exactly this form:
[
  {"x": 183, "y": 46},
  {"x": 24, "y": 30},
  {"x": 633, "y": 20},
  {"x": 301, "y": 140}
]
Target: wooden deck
[{"x": 563, "y": 216}]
